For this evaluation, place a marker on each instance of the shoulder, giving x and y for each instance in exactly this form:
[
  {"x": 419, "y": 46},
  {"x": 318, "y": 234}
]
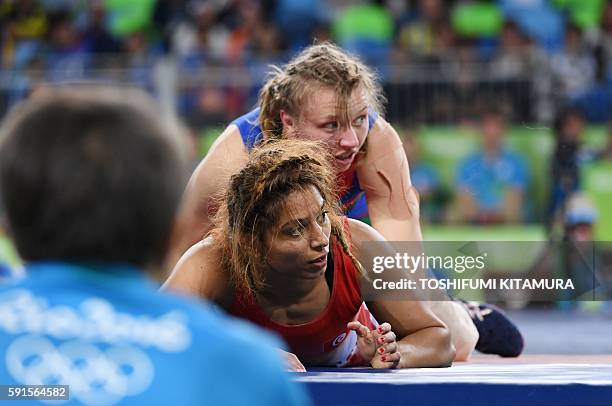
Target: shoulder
[
  {"x": 227, "y": 155},
  {"x": 228, "y": 144},
  {"x": 199, "y": 273},
  {"x": 382, "y": 138},
  {"x": 361, "y": 232},
  {"x": 201, "y": 254}
]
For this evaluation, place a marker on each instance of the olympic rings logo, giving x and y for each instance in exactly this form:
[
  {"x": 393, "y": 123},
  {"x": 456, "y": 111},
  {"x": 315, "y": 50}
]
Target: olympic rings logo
[{"x": 96, "y": 377}]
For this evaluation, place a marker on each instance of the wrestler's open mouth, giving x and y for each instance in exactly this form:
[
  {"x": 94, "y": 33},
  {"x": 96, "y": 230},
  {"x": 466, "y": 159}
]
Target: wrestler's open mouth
[
  {"x": 346, "y": 157},
  {"x": 319, "y": 262}
]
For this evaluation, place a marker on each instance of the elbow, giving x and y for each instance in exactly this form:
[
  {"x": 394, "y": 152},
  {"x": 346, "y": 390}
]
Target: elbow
[{"x": 446, "y": 349}]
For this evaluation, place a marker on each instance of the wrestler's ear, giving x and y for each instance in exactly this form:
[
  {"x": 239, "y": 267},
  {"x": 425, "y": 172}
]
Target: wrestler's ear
[{"x": 289, "y": 122}]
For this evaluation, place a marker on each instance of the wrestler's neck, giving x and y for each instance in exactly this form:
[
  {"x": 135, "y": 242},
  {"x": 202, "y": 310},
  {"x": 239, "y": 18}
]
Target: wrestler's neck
[
  {"x": 289, "y": 289},
  {"x": 290, "y": 306}
]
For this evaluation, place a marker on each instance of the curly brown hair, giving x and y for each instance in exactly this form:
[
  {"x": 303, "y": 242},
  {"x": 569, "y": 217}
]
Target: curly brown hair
[
  {"x": 322, "y": 64},
  {"x": 254, "y": 200}
]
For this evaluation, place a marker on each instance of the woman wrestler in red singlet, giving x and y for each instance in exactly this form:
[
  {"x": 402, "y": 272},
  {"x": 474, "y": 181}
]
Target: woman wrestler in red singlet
[{"x": 282, "y": 257}]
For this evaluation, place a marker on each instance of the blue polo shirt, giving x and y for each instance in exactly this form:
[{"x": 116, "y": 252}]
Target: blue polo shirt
[
  {"x": 489, "y": 179},
  {"x": 109, "y": 334}
]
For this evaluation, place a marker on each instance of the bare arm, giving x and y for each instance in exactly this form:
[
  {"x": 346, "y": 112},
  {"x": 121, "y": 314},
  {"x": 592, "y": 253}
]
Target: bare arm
[
  {"x": 226, "y": 155},
  {"x": 423, "y": 339},
  {"x": 198, "y": 273},
  {"x": 385, "y": 176}
]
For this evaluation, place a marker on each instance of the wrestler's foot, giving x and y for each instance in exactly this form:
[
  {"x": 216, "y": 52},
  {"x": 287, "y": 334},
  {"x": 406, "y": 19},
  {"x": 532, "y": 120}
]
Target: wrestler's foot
[{"x": 498, "y": 335}]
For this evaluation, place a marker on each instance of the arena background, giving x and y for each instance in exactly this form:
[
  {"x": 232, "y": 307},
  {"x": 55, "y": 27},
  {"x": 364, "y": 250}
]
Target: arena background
[{"x": 442, "y": 64}]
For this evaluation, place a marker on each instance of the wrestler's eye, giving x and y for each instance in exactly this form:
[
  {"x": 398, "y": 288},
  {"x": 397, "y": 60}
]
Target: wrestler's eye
[
  {"x": 297, "y": 231},
  {"x": 359, "y": 121},
  {"x": 331, "y": 126},
  {"x": 322, "y": 218}
]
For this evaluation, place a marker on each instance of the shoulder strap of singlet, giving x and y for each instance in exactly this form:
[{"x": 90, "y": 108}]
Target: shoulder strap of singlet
[
  {"x": 251, "y": 132},
  {"x": 372, "y": 116},
  {"x": 249, "y": 127},
  {"x": 344, "y": 266}
]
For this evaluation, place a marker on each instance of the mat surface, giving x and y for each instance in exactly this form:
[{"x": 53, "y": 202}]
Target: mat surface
[{"x": 535, "y": 380}]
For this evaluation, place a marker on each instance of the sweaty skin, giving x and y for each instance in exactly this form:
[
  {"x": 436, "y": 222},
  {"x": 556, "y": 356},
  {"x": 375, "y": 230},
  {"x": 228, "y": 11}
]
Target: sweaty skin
[
  {"x": 393, "y": 205},
  {"x": 423, "y": 340},
  {"x": 384, "y": 175},
  {"x": 225, "y": 157}
]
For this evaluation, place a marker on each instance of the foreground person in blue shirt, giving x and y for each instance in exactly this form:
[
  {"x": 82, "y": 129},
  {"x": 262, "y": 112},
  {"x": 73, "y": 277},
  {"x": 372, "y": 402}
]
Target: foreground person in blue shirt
[{"x": 90, "y": 190}]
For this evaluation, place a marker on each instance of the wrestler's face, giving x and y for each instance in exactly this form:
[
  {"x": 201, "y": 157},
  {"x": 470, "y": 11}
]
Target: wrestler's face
[
  {"x": 320, "y": 120},
  {"x": 299, "y": 241}
]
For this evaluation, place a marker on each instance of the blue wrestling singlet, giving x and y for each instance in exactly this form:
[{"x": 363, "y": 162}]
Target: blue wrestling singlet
[{"x": 353, "y": 199}]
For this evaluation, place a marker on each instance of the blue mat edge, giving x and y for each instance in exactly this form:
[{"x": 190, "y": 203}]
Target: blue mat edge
[{"x": 460, "y": 394}]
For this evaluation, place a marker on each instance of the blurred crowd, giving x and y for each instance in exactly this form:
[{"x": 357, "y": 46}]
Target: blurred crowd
[
  {"x": 494, "y": 184},
  {"x": 466, "y": 47},
  {"x": 441, "y": 62},
  {"x": 489, "y": 65}
]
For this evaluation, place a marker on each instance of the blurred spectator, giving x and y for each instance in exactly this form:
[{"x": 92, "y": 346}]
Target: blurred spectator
[
  {"x": 538, "y": 19},
  {"x": 253, "y": 37},
  {"x": 249, "y": 20},
  {"x": 515, "y": 66},
  {"x": 596, "y": 103},
  {"x": 568, "y": 157},
  {"x": 580, "y": 217},
  {"x": 428, "y": 31},
  {"x": 65, "y": 53},
  {"x": 426, "y": 179},
  {"x": 199, "y": 40},
  {"x": 573, "y": 67},
  {"x": 514, "y": 56},
  {"x": 445, "y": 85},
  {"x": 492, "y": 182},
  {"x": 96, "y": 37},
  {"x": 579, "y": 256},
  {"x": 601, "y": 35},
  {"x": 167, "y": 16},
  {"x": 206, "y": 106},
  {"x": 298, "y": 21},
  {"x": 24, "y": 24},
  {"x": 139, "y": 58},
  {"x": 606, "y": 152}
]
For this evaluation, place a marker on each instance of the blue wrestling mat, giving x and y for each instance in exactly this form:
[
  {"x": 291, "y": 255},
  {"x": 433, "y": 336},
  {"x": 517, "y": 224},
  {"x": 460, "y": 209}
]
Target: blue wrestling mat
[{"x": 511, "y": 384}]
